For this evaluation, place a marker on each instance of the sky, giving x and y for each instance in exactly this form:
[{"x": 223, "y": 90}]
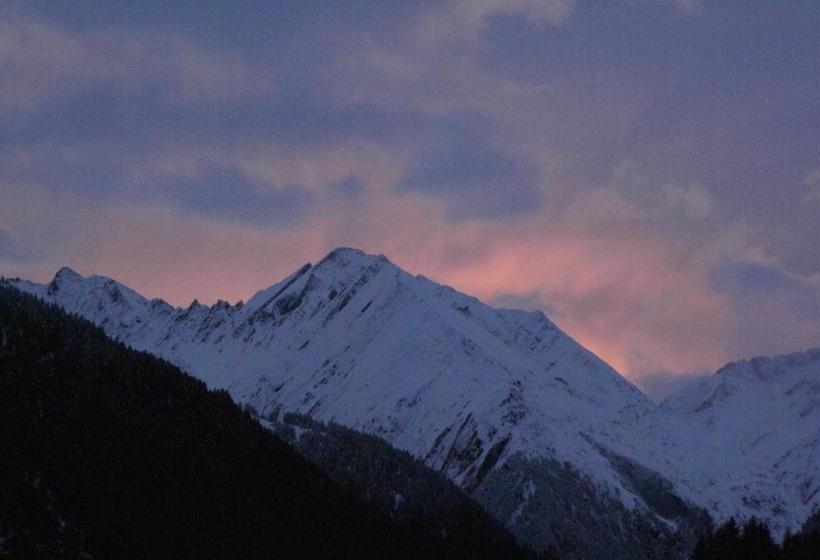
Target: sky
[{"x": 646, "y": 172}]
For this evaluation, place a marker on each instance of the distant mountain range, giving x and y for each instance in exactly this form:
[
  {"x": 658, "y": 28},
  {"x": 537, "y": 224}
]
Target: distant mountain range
[{"x": 549, "y": 438}]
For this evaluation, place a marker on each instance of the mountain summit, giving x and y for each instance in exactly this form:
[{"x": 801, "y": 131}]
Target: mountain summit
[{"x": 546, "y": 435}]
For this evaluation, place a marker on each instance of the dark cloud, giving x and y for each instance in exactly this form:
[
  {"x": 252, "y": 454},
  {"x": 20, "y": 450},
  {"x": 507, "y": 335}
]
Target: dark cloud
[
  {"x": 137, "y": 118},
  {"x": 720, "y": 97},
  {"x": 253, "y": 27},
  {"x": 774, "y": 311},
  {"x": 476, "y": 180},
  {"x": 750, "y": 283},
  {"x": 349, "y": 187},
  {"x": 225, "y": 194}
]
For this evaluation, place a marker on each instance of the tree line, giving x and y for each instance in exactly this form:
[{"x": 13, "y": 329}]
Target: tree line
[{"x": 753, "y": 541}]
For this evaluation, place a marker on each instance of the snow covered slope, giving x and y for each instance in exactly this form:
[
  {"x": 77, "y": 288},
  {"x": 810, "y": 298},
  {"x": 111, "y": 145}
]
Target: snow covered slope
[
  {"x": 764, "y": 417},
  {"x": 358, "y": 341},
  {"x": 501, "y": 401}
]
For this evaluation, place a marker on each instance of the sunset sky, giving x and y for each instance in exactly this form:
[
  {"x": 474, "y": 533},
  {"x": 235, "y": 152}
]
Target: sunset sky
[{"x": 646, "y": 172}]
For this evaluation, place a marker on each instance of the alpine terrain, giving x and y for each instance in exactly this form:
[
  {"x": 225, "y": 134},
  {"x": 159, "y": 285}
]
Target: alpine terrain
[
  {"x": 550, "y": 439},
  {"x": 112, "y": 453},
  {"x": 764, "y": 417}
]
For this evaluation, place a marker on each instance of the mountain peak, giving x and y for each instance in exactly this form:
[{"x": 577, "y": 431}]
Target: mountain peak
[
  {"x": 346, "y": 256},
  {"x": 341, "y": 251},
  {"x": 66, "y": 273}
]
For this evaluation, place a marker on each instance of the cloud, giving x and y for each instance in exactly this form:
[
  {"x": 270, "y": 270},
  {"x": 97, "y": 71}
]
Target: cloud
[
  {"x": 688, "y": 6},
  {"x": 774, "y": 311},
  {"x": 351, "y": 186},
  {"x": 475, "y": 179},
  {"x": 637, "y": 302},
  {"x": 459, "y": 20},
  {"x": 225, "y": 194},
  {"x": 694, "y": 201},
  {"x": 35, "y": 59},
  {"x": 633, "y": 201},
  {"x": 41, "y": 61}
]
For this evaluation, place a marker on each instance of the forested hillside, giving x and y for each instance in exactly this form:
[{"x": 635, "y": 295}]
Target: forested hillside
[{"x": 753, "y": 541}]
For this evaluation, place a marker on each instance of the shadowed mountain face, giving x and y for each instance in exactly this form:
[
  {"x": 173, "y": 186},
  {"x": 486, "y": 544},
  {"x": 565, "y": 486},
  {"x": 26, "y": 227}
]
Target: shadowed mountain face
[
  {"x": 397, "y": 483},
  {"x": 500, "y": 401},
  {"x": 117, "y": 454}
]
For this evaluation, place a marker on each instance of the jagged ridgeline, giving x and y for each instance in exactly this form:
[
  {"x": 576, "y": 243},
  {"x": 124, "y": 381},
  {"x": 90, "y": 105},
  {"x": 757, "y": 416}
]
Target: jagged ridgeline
[{"x": 113, "y": 453}]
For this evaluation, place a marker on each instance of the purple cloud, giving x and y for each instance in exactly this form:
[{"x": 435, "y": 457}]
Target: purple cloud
[{"x": 476, "y": 180}]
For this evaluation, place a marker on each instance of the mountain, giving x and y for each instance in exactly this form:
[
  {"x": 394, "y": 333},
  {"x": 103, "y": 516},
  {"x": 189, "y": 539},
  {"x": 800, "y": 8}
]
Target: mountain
[
  {"x": 549, "y": 438},
  {"x": 107, "y": 452},
  {"x": 764, "y": 416},
  {"x": 396, "y": 483}
]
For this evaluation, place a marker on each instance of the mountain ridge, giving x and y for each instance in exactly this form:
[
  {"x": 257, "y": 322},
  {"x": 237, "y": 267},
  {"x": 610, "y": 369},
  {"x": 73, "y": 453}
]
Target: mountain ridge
[{"x": 464, "y": 387}]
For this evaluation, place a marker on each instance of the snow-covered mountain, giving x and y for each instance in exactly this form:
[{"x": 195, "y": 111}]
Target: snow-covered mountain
[
  {"x": 764, "y": 417},
  {"x": 547, "y": 436}
]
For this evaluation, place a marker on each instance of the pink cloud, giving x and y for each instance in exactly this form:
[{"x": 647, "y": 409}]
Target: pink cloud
[{"x": 641, "y": 302}]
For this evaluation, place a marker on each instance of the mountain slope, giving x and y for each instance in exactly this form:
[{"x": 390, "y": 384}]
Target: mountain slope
[
  {"x": 393, "y": 481},
  {"x": 464, "y": 387},
  {"x": 334, "y": 340},
  {"x": 764, "y": 416},
  {"x": 500, "y": 401},
  {"x": 112, "y": 453}
]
